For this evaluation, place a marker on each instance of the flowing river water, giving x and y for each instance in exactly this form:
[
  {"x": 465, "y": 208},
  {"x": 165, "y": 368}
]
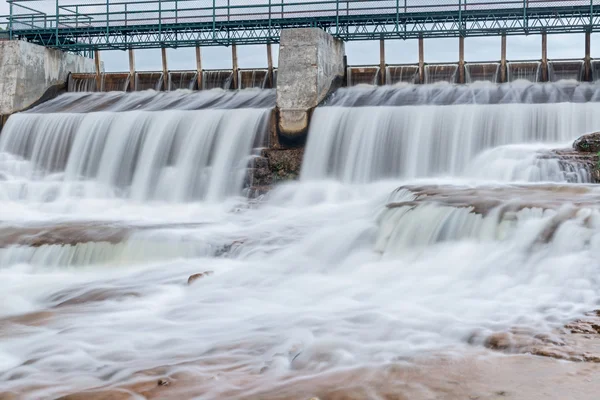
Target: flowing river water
[{"x": 109, "y": 202}]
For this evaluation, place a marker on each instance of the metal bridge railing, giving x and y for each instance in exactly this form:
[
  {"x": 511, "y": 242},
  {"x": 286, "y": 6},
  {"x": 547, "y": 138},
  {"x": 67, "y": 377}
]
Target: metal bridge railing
[{"x": 79, "y": 19}]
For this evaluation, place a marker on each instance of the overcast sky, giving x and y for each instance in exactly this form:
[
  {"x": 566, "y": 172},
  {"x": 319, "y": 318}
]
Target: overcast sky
[{"x": 360, "y": 53}]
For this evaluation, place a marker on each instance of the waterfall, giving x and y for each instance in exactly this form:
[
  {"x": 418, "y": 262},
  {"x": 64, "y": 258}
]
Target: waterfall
[
  {"x": 402, "y": 74},
  {"x": 565, "y": 70},
  {"x": 482, "y": 72},
  {"x": 136, "y": 150},
  {"x": 528, "y": 71},
  {"x": 217, "y": 79},
  {"x": 253, "y": 79},
  {"x": 149, "y": 81},
  {"x": 435, "y": 73},
  {"x": 367, "y": 143},
  {"x": 362, "y": 76},
  {"x": 182, "y": 80}
]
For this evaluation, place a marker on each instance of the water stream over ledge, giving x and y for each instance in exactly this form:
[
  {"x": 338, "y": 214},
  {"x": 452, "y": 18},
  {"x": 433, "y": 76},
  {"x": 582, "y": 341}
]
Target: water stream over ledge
[{"x": 419, "y": 222}]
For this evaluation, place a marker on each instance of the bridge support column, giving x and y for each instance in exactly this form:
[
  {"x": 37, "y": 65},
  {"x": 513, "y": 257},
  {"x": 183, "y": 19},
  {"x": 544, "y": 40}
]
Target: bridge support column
[
  {"x": 98, "y": 70},
  {"x": 311, "y": 66},
  {"x": 544, "y": 65},
  {"x": 382, "y": 71},
  {"x": 421, "y": 61},
  {"x": 588, "y": 58},
  {"x": 131, "y": 70},
  {"x": 165, "y": 69},
  {"x": 270, "y": 76},
  {"x": 461, "y": 59},
  {"x": 199, "y": 67},
  {"x": 234, "y": 62},
  {"x": 503, "y": 71}
]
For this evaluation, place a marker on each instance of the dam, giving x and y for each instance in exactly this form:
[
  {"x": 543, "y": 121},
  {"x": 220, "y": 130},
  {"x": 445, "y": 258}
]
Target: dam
[{"x": 310, "y": 229}]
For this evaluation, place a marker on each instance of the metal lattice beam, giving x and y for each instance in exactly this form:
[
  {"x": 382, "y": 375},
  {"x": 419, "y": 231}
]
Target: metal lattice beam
[{"x": 80, "y": 27}]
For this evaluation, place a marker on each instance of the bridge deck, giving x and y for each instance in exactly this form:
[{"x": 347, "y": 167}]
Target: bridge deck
[{"x": 183, "y": 23}]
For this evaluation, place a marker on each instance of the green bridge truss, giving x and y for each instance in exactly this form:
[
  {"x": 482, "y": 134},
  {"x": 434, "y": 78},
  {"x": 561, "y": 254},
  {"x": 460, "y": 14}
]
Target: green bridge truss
[{"x": 104, "y": 25}]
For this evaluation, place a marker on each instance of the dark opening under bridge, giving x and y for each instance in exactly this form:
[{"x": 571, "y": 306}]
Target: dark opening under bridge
[{"x": 118, "y": 25}]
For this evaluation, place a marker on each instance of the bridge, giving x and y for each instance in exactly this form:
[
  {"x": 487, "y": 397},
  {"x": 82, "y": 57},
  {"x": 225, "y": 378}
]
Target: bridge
[{"x": 83, "y": 27}]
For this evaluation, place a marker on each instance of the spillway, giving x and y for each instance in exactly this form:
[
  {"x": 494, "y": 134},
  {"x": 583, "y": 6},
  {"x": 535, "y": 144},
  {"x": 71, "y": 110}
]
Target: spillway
[
  {"x": 143, "y": 148},
  {"x": 485, "y": 131},
  {"x": 426, "y": 219}
]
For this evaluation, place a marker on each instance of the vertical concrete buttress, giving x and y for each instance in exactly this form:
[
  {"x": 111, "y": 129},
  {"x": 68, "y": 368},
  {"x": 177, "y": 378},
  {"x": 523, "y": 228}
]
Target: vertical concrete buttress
[
  {"x": 311, "y": 65},
  {"x": 29, "y": 72}
]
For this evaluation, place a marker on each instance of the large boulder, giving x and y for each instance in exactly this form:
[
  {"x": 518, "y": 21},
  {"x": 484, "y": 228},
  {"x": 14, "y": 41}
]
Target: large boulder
[{"x": 589, "y": 143}]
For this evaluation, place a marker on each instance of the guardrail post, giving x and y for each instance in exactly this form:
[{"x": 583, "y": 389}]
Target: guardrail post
[
  {"x": 108, "y": 21},
  {"x": 10, "y": 21},
  {"x": 525, "y": 23},
  {"x": 269, "y": 19},
  {"x": 160, "y": 21},
  {"x": 56, "y": 27},
  {"x": 214, "y": 20},
  {"x": 337, "y": 17},
  {"x": 397, "y": 16}
]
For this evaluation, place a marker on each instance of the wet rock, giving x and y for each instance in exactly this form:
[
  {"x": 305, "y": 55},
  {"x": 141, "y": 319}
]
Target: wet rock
[
  {"x": 195, "y": 277},
  {"x": 589, "y": 143},
  {"x": 272, "y": 167},
  {"x": 164, "y": 382},
  {"x": 284, "y": 164}
]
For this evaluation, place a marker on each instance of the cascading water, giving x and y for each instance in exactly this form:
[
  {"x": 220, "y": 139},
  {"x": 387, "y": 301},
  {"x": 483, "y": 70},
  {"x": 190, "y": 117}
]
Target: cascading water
[
  {"x": 467, "y": 136},
  {"x": 217, "y": 79},
  {"x": 437, "y": 73},
  {"x": 482, "y": 72},
  {"x": 402, "y": 74},
  {"x": 133, "y": 152},
  {"x": 362, "y": 76},
  {"x": 404, "y": 240},
  {"x": 183, "y": 80},
  {"x": 527, "y": 71},
  {"x": 565, "y": 70}
]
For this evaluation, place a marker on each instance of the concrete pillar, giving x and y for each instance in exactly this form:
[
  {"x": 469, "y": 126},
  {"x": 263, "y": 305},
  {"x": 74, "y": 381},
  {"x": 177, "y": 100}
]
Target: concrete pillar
[
  {"x": 269, "y": 66},
  {"x": 382, "y": 72},
  {"x": 461, "y": 59},
  {"x": 131, "y": 70},
  {"x": 234, "y": 62},
  {"x": 421, "y": 61},
  {"x": 97, "y": 70},
  {"x": 311, "y": 65},
  {"x": 588, "y": 58},
  {"x": 544, "y": 65},
  {"x": 503, "y": 71},
  {"x": 32, "y": 73},
  {"x": 199, "y": 66},
  {"x": 165, "y": 69}
]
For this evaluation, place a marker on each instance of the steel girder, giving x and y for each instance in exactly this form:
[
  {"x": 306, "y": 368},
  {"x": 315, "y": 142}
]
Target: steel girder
[{"x": 356, "y": 27}]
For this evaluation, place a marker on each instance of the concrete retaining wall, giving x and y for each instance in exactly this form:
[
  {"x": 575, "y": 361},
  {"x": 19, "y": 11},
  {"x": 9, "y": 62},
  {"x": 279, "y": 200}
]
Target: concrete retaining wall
[
  {"x": 27, "y": 71},
  {"x": 311, "y": 65}
]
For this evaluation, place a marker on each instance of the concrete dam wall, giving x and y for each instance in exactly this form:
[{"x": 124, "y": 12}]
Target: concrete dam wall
[{"x": 28, "y": 71}]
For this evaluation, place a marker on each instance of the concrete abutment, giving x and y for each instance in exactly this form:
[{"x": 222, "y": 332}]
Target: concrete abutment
[
  {"x": 30, "y": 73},
  {"x": 311, "y": 66}
]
